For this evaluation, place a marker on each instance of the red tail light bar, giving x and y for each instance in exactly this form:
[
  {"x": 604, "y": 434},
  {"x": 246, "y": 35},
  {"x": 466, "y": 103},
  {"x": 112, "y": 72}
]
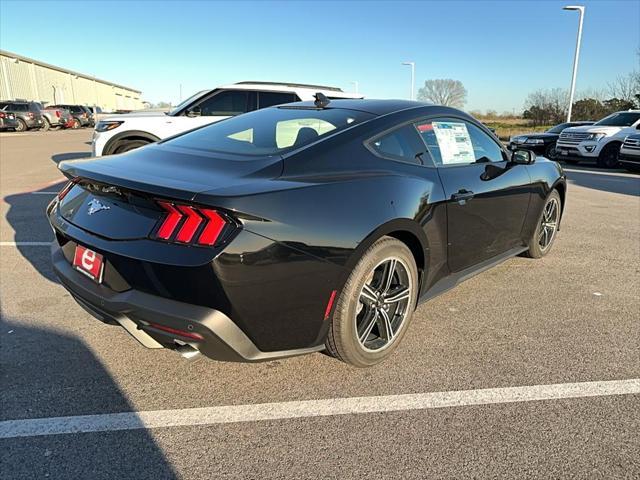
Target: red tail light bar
[
  {"x": 189, "y": 224},
  {"x": 63, "y": 193}
]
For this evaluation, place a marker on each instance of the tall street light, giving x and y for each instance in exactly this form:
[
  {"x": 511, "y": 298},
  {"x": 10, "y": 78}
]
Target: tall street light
[
  {"x": 355, "y": 85},
  {"x": 413, "y": 77},
  {"x": 580, "y": 9}
]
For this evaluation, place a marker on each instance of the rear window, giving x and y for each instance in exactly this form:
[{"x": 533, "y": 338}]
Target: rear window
[{"x": 270, "y": 131}]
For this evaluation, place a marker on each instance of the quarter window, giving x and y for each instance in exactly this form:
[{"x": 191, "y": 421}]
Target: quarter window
[
  {"x": 225, "y": 104},
  {"x": 402, "y": 144},
  {"x": 457, "y": 142}
]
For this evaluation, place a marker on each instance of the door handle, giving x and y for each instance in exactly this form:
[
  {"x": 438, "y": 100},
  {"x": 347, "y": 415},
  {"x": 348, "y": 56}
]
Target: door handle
[{"x": 462, "y": 196}]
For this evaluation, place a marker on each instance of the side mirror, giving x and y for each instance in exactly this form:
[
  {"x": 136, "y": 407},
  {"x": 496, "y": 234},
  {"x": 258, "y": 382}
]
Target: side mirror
[
  {"x": 523, "y": 157},
  {"x": 193, "y": 112}
]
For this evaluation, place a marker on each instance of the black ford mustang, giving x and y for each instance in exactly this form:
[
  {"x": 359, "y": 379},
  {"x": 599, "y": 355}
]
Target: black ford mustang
[{"x": 298, "y": 228}]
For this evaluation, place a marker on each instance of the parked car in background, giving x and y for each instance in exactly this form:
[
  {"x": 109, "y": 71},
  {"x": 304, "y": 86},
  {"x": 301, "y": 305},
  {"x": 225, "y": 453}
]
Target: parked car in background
[
  {"x": 8, "y": 121},
  {"x": 92, "y": 120},
  {"x": 53, "y": 117},
  {"x": 298, "y": 228},
  {"x": 118, "y": 134},
  {"x": 629, "y": 156},
  {"x": 80, "y": 115},
  {"x": 543, "y": 143},
  {"x": 28, "y": 114},
  {"x": 599, "y": 142}
]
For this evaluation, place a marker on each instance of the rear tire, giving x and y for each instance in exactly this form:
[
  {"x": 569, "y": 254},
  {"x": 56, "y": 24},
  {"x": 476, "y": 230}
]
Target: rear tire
[
  {"x": 45, "y": 125},
  {"x": 374, "y": 308},
  {"x": 547, "y": 227},
  {"x": 22, "y": 126},
  {"x": 608, "y": 157},
  {"x": 128, "y": 145},
  {"x": 76, "y": 124}
]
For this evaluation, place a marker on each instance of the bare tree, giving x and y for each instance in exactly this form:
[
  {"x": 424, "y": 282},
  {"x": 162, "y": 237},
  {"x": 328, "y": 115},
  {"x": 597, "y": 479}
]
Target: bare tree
[
  {"x": 625, "y": 87},
  {"x": 547, "y": 106},
  {"x": 444, "y": 91}
]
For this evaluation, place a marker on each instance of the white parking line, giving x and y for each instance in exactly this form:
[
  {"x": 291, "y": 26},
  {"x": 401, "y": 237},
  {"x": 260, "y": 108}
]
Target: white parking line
[
  {"x": 25, "y": 244},
  {"x": 310, "y": 408},
  {"x": 43, "y": 193},
  {"x": 606, "y": 173}
]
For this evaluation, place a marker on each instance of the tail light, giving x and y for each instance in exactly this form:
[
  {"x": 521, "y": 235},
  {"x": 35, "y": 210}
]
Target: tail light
[
  {"x": 1, "y": 115},
  {"x": 66, "y": 189},
  {"x": 189, "y": 224},
  {"x": 58, "y": 113},
  {"x": 30, "y": 114}
]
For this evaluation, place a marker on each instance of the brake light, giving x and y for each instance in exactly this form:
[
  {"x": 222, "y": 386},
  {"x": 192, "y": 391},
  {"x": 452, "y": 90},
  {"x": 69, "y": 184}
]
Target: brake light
[
  {"x": 58, "y": 113},
  {"x": 66, "y": 189},
  {"x": 190, "y": 224},
  {"x": 1, "y": 115},
  {"x": 175, "y": 331}
]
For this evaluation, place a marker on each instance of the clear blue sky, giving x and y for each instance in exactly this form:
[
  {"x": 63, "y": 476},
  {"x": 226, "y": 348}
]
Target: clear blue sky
[{"x": 500, "y": 50}]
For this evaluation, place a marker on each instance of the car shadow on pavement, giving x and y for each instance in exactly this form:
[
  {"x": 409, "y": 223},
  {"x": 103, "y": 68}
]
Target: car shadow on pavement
[
  {"x": 60, "y": 157},
  {"x": 46, "y": 373},
  {"x": 28, "y": 219},
  {"x": 597, "y": 179}
]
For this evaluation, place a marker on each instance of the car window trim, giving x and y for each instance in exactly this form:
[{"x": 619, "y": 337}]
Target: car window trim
[
  {"x": 258, "y": 92},
  {"x": 368, "y": 144},
  {"x": 218, "y": 91}
]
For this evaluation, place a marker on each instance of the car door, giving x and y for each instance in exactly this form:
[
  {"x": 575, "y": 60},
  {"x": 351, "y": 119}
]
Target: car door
[{"x": 487, "y": 196}]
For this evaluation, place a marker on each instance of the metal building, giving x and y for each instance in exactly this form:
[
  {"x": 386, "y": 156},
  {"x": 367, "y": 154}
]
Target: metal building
[{"x": 28, "y": 79}]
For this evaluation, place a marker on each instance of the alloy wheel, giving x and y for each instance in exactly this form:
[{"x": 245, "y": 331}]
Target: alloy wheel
[
  {"x": 383, "y": 304},
  {"x": 548, "y": 223}
]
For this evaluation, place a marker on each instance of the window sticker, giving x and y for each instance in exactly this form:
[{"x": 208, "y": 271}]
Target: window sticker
[{"x": 454, "y": 142}]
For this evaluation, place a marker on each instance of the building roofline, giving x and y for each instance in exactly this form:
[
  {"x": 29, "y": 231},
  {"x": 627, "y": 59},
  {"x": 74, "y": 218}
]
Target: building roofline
[{"x": 65, "y": 70}]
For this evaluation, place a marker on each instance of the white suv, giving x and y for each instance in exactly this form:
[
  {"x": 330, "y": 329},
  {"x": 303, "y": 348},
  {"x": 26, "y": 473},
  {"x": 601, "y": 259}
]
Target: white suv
[
  {"x": 599, "y": 142},
  {"x": 121, "y": 133}
]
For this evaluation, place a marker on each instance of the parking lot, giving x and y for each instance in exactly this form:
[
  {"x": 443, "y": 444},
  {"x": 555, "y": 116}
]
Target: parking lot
[{"x": 567, "y": 328}]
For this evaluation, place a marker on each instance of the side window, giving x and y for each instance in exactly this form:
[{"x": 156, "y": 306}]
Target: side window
[
  {"x": 457, "y": 142},
  {"x": 21, "y": 107},
  {"x": 225, "y": 104},
  {"x": 402, "y": 144},
  {"x": 269, "y": 99}
]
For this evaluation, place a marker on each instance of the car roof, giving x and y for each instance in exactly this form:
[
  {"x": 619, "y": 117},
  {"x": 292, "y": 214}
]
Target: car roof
[
  {"x": 376, "y": 107},
  {"x": 333, "y": 92}
]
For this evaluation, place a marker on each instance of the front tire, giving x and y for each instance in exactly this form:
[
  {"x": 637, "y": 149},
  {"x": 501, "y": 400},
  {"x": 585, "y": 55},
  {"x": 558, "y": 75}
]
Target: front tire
[
  {"x": 550, "y": 151},
  {"x": 608, "y": 157},
  {"x": 375, "y": 306},
  {"x": 545, "y": 233},
  {"x": 128, "y": 145}
]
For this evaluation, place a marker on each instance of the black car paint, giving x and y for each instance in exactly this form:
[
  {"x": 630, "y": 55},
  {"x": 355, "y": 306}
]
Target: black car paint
[{"x": 304, "y": 220}]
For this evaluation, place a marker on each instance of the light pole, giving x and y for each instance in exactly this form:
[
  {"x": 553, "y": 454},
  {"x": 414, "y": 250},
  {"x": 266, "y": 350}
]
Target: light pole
[
  {"x": 355, "y": 86},
  {"x": 580, "y": 9},
  {"x": 413, "y": 77}
]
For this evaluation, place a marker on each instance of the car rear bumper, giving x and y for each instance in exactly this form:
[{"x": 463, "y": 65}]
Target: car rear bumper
[{"x": 144, "y": 316}]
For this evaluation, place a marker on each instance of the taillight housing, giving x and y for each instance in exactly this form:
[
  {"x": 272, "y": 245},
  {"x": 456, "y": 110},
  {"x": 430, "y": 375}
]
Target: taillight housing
[
  {"x": 58, "y": 113},
  {"x": 67, "y": 188},
  {"x": 192, "y": 225},
  {"x": 1, "y": 115}
]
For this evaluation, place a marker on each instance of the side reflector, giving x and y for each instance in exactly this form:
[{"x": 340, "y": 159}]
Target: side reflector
[
  {"x": 332, "y": 298},
  {"x": 182, "y": 333},
  {"x": 213, "y": 228},
  {"x": 190, "y": 226},
  {"x": 170, "y": 222}
]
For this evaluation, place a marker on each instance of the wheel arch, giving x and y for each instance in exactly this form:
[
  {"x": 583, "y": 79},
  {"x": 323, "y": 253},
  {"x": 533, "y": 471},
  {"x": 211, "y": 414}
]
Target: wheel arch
[
  {"x": 561, "y": 187},
  {"x": 407, "y": 231},
  {"x": 114, "y": 142}
]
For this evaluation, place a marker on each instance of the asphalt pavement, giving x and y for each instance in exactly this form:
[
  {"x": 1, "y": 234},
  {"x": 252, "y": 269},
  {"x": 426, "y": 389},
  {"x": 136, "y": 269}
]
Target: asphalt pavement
[{"x": 567, "y": 323}]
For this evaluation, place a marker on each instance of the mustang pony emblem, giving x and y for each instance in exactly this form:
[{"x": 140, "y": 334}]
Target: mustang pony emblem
[{"x": 96, "y": 206}]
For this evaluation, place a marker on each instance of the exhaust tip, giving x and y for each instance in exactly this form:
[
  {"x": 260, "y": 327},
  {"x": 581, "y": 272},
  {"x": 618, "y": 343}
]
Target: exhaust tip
[{"x": 188, "y": 352}]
